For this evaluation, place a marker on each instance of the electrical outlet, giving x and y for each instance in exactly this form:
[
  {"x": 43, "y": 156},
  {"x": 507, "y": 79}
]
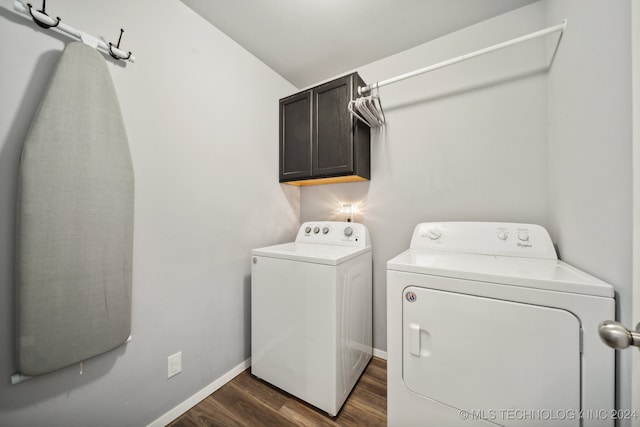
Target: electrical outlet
[{"x": 174, "y": 364}]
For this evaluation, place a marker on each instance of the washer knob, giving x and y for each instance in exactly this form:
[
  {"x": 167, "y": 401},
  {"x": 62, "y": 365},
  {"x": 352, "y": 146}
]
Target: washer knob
[
  {"x": 434, "y": 233},
  {"x": 502, "y": 235},
  {"x": 523, "y": 236},
  {"x": 325, "y": 230},
  {"x": 348, "y": 231},
  {"x": 307, "y": 230},
  {"x": 316, "y": 229}
]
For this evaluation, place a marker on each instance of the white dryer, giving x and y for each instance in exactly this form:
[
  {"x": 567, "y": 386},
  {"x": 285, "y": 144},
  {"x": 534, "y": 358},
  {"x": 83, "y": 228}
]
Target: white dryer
[
  {"x": 311, "y": 312},
  {"x": 486, "y": 326}
]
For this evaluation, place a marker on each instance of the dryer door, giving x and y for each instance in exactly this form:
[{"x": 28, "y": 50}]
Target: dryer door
[{"x": 506, "y": 362}]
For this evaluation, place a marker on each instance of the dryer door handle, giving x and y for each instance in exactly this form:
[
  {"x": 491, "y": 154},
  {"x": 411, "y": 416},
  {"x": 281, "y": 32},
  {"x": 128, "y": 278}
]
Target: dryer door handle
[
  {"x": 414, "y": 339},
  {"x": 615, "y": 335}
]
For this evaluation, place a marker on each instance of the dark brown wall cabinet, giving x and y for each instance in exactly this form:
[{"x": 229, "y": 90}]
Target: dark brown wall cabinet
[{"x": 320, "y": 141}]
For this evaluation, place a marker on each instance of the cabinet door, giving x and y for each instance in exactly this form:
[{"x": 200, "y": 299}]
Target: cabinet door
[
  {"x": 295, "y": 137},
  {"x": 333, "y": 128}
]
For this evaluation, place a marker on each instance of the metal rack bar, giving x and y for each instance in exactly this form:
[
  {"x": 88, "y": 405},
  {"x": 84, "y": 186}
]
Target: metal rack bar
[{"x": 549, "y": 30}]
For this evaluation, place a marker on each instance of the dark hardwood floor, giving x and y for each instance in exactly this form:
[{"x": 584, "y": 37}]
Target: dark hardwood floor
[{"x": 249, "y": 401}]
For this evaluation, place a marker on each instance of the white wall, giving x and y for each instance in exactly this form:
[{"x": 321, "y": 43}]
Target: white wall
[
  {"x": 465, "y": 143},
  {"x": 590, "y": 167},
  {"x": 202, "y": 120}
]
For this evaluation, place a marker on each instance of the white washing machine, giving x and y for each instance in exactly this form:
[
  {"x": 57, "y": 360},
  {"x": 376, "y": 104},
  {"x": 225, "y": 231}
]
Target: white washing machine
[
  {"x": 311, "y": 312},
  {"x": 487, "y": 327}
]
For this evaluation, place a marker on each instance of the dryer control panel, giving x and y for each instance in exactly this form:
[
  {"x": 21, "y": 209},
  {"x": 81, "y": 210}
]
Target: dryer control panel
[
  {"x": 485, "y": 238},
  {"x": 336, "y": 233}
]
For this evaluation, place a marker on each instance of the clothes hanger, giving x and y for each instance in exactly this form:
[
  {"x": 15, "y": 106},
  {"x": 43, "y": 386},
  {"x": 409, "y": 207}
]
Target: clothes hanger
[{"x": 368, "y": 109}]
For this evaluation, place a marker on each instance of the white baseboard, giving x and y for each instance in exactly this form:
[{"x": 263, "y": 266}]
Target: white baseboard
[
  {"x": 379, "y": 353},
  {"x": 199, "y": 396}
]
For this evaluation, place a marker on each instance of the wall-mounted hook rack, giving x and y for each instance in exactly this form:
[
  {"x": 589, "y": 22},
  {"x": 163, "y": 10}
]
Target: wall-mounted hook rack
[
  {"x": 41, "y": 23},
  {"x": 111, "y": 49},
  {"x": 43, "y": 20}
]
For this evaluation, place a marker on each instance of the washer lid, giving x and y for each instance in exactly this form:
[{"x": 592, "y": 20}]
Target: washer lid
[
  {"x": 311, "y": 252},
  {"x": 545, "y": 274}
]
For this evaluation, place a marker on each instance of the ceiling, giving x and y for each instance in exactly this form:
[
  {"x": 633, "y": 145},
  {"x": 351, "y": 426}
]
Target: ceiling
[{"x": 307, "y": 41}]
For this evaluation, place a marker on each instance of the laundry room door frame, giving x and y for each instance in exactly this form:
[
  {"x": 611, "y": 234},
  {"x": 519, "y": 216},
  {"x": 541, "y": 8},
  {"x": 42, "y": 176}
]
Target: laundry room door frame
[{"x": 635, "y": 110}]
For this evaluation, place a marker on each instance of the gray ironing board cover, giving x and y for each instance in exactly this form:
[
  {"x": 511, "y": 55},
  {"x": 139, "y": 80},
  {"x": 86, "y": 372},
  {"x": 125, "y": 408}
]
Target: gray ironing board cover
[{"x": 74, "y": 239}]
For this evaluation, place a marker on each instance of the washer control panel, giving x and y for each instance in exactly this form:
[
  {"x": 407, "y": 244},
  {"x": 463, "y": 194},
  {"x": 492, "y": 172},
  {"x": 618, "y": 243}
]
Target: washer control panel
[
  {"x": 487, "y": 238},
  {"x": 334, "y": 233}
]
